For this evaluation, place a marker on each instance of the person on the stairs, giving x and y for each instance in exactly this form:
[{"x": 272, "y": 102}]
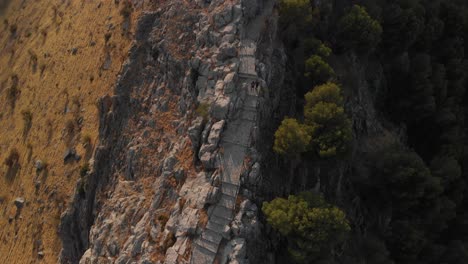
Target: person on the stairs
[{"x": 252, "y": 85}]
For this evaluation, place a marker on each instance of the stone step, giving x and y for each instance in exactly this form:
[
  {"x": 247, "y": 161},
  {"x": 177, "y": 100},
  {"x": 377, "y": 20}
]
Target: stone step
[
  {"x": 215, "y": 227},
  {"x": 222, "y": 211},
  {"x": 248, "y": 109},
  {"x": 229, "y": 189},
  {"x": 241, "y": 144},
  {"x": 202, "y": 255},
  {"x": 211, "y": 236},
  {"x": 250, "y": 102},
  {"x": 249, "y": 115},
  {"x": 228, "y": 201},
  {"x": 212, "y": 247},
  {"x": 219, "y": 220},
  {"x": 246, "y": 75}
]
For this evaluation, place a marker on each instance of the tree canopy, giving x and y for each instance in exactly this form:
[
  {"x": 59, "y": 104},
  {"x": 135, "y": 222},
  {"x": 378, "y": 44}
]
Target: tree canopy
[{"x": 312, "y": 228}]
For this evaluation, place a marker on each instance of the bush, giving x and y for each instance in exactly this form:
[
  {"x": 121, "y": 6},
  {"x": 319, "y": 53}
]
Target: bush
[
  {"x": 358, "y": 31},
  {"x": 318, "y": 70},
  {"x": 203, "y": 110},
  {"x": 311, "y": 231},
  {"x": 291, "y": 138},
  {"x": 84, "y": 169},
  {"x": 86, "y": 141}
]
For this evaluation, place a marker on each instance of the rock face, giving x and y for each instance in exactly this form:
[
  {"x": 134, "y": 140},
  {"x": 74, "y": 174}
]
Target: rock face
[{"x": 163, "y": 185}]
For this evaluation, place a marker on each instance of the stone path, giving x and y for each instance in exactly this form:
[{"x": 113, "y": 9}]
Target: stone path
[{"x": 236, "y": 139}]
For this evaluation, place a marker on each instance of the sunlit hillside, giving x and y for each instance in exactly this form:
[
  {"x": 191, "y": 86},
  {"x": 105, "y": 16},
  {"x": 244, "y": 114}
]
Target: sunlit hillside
[{"x": 57, "y": 58}]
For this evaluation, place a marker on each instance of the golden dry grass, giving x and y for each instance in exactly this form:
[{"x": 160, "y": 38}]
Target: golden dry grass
[{"x": 54, "y": 54}]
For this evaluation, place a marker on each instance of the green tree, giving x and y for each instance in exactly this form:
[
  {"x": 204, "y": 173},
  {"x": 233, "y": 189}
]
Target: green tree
[
  {"x": 291, "y": 138},
  {"x": 298, "y": 12},
  {"x": 315, "y": 46},
  {"x": 404, "y": 180},
  {"x": 311, "y": 231},
  {"x": 329, "y": 124},
  {"x": 358, "y": 31},
  {"x": 318, "y": 70}
]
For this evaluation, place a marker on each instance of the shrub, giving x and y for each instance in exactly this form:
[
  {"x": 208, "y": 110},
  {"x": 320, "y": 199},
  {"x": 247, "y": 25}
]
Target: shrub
[
  {"x": 203, "y": 110},
  {"x": 84, "y": 169},
  {"x": 311, "y": 231},
  {"x": 86, "y": 140},
  {"x": 291, "y": 138},
  {"x": 318, "y": 70},
  {"x": 358, "y": 31}
]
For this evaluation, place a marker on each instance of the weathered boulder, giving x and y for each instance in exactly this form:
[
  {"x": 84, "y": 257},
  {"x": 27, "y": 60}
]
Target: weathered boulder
[
  {"x": 220, "y": 107},
  {"x": 226, "y": 51},
  {"x": 215, "y": 132},
  {"x": 230, "y": 82},
  {"x": 236, "y": 251},
  {"x": 209, "y": 160},
  {"x": 254, "y": 175},
  {"x": 224, "y": 17},
  {"x": 213, "y": 196}
]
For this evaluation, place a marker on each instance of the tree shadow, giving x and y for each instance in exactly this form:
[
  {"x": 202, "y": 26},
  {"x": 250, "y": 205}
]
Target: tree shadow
[{"x": 12, "y": 172}]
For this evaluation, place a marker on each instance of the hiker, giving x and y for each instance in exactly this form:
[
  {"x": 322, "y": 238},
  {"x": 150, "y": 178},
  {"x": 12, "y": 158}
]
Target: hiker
[{"x": 252, "y": 85}]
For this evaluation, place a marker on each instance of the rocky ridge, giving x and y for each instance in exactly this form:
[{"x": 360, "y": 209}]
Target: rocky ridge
[{"x": 165, "y": 184}]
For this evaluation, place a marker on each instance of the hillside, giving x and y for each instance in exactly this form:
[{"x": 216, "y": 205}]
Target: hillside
[{"x": 57, "y": 58}]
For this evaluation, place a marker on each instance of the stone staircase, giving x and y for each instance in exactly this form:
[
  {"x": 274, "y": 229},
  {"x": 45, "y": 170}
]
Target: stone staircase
[{"x": 236, "y": 139}]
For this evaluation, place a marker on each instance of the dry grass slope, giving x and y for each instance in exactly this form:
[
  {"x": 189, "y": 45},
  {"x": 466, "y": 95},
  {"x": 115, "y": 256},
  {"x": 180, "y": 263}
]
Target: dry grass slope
[{"x": 56, "y": 59}]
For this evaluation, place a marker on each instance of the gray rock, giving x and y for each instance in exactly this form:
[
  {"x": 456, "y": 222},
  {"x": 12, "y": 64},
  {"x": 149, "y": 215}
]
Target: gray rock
[
  {"x": 39, "y": 165},
  {"x": 230, "y": 82},
  {"x": 250, "y": 8},
  {"x": 169, "y": 163},
  {"x": 209, "y": 160},
  {"x": 224, "y": 17},
  {"x": 236, "y": 251},
  {"x": 70, "y": 154},
  {"x": 213, "y": 196},
  {"x": 254, "y": 173},
  {"x": 179, "y": 174},
  {"x": 215, "y": 132},
  {"x": 113, "y": 249},
  {"x": 228, "y": 38},
  {"x": 206, "y": 131},
  {"x": 229, "y": 29},
  {"x": 194, "y": 132},
  {"x": 226, "y": 51}
]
